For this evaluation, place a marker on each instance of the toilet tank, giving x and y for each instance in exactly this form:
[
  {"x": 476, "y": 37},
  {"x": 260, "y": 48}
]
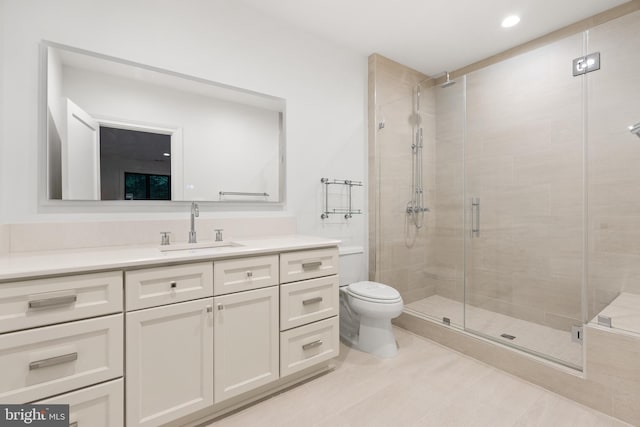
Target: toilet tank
[{"x": 353, "y": 264}]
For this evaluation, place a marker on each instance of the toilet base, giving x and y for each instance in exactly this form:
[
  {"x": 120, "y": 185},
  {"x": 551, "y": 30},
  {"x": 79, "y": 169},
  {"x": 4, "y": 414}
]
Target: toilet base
[
  {"x": 367, "y": 327},
  {"x": 376, "y": 337}
]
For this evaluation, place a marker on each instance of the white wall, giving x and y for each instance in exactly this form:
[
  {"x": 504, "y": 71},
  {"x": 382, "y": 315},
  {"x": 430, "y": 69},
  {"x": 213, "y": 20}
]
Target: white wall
[
  {"x": 219, "y": 40},
  {"x": 2, "y": 128}
]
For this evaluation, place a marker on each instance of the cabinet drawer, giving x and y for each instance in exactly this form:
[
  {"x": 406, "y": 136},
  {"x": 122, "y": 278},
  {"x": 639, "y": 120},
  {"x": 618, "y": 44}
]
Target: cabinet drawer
[
  {"x": 98, "y": 406},
  {"x": 303, "y": 347},
  {"x": 32, "y": 303},
  {"x": 55, "y": 359},
  {"x": 308, "y": 301},
  {"x": 302, "y": 265},
  {"x": 244, "y": 274},
  {"x": 152, "y": 287}
]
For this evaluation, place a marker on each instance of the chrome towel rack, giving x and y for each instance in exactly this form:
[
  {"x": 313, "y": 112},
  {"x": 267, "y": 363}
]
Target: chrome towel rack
[
  {"x": 241, "y": 193},
  {"x": 348, "y": 212}
]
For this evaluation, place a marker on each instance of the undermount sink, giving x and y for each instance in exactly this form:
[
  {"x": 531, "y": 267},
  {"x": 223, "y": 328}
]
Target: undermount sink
[{"x": 197, "y": 246}]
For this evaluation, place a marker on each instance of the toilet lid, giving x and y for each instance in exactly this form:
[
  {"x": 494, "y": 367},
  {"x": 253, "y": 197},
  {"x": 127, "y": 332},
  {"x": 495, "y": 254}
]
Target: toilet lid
[{"x": 374, "y": 290}]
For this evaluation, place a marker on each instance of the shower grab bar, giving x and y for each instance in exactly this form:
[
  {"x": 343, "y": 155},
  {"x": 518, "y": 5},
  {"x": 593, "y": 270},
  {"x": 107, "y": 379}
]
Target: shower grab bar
[
  {"x": 475, "y": 217},
  {"x": 241, "y": 193}
]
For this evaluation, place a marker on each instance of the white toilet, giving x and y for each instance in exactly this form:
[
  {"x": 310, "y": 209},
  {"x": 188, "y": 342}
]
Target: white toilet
[{"x": 366, "y": 308}]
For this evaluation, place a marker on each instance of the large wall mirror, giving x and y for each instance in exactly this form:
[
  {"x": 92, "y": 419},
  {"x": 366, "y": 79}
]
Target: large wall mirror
[{"x": 118, "y": 130}]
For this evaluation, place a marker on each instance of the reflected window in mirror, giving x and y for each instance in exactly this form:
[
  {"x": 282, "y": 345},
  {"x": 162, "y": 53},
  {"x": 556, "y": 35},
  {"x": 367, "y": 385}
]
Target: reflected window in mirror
[{"x": 142, "y": 186}]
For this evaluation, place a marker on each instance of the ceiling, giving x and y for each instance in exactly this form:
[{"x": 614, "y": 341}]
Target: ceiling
[{"x": 427, "y": 35}]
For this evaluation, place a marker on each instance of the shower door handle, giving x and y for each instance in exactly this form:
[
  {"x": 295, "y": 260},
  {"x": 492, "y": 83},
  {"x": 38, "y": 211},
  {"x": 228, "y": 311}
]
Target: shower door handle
[{"x": 475, "y": 217}]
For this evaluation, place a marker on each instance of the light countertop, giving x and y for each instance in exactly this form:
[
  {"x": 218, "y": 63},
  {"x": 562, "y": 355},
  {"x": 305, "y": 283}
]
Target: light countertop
[{"x": 33, "y": 264}]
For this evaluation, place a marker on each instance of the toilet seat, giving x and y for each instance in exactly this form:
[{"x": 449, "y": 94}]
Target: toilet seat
[{"x": 374, "y": 292}]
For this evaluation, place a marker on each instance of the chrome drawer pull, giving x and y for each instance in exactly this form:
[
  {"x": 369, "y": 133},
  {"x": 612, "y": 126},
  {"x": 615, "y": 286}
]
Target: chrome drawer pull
[
  {"x": 53, "y": 302},
  {"x": 313, "y": 344},
  {"x": 73, "y": 424},
  {"x": 58, "y": 360},
  {"x": 312, "y": 300},
  {"x": 309, "y": 265}
]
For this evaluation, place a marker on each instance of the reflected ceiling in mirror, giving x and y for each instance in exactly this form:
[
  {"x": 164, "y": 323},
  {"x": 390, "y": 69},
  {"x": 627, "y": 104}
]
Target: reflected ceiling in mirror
[{"x": 118, "y": 130}]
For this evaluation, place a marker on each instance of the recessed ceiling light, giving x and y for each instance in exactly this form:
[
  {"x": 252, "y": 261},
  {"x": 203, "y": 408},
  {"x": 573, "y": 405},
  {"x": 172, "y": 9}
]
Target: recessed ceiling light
[
  {"x": 166, "y": 154},
  {"x": 510, "y": 21}
]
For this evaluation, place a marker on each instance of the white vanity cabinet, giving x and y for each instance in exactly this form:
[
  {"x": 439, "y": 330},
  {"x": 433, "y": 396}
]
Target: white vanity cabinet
[
  {"x": 309, "y": 306},
  {"x": 166, "y": 341},
  {"x": 246, "y": 333},
  {"x": 169, "y": 342},
  {"x": 62, "y": 341}
]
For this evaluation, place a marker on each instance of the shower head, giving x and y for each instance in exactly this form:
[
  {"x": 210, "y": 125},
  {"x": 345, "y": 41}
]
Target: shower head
[
  {"x": 635, "y": 129},
  {"x": 448, "y": 82}
]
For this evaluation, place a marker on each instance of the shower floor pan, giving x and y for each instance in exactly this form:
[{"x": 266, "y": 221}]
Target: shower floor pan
[{"x": 540, "y": 339}]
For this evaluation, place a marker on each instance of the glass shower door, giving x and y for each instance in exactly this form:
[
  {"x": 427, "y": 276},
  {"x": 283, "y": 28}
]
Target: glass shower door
[
  {"x": 524, "y": 202},
  {"x": 614, "y": 155}
]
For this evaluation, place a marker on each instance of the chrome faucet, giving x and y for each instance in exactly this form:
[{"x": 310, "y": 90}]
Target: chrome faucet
[{"x": 195, "y": 212}]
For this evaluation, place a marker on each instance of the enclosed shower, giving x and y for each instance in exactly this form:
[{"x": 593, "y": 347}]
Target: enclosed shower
[{"x": 504, "y": 200}]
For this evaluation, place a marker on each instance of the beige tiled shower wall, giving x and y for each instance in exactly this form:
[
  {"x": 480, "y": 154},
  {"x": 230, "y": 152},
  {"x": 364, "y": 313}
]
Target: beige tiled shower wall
[
  {"x": 4, "y": 239},
  {"x": 614, "y": 163},
  {"x": 524, "y": 160},
  {"x": 401, "y": 250}
]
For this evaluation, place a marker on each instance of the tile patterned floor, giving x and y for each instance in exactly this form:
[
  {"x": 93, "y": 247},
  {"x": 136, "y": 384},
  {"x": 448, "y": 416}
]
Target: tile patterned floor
[
  {"x": 532, "y": 336},
  {"x": 425, "y": 385}
]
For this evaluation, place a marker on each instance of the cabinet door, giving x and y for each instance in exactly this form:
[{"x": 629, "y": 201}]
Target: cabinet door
[
  {"x": 169, "y": 358},
  {"x": 246, "y": 336}
]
